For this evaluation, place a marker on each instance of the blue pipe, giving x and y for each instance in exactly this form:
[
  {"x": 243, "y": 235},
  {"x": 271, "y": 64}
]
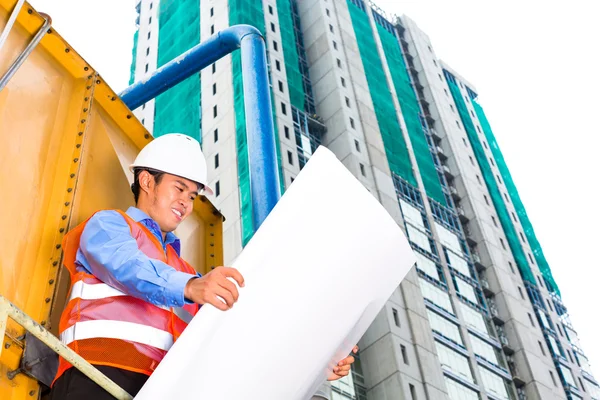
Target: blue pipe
[{"x": 264, "y": 174}]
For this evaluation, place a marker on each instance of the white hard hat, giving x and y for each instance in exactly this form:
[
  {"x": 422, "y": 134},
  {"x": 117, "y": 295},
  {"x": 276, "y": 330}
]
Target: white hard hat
[{"x": 175, "y": 154}]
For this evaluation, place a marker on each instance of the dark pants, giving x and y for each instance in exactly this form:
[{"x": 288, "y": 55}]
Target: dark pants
[{"x": 73, "y": 385}]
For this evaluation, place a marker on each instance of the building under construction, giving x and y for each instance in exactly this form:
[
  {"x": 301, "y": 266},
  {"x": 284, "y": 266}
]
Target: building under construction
[{"x": 480, "y": 317}]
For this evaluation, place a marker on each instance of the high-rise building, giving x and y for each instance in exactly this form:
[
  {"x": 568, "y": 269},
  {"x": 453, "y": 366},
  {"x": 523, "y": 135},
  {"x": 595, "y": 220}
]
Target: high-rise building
[{"x": 480, "y": 317}]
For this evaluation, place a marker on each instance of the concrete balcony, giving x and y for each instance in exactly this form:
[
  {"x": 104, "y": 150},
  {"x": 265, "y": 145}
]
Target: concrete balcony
[
  {"x": 485, "y": 286},
  {"x": 462, "y": 215},
  {"x": 477, "y": 261}
]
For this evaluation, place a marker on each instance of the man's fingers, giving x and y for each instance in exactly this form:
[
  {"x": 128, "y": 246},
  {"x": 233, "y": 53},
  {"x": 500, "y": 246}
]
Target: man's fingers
[
  {"x": 342, "y": 372},
  {"x": 230, "y": 286},
  {"x": 342, "y": 368},
  {"x": 225, "y": 295},
  {"x": 347, "y": 360},
  {"x": 233, "y": 273},
  {"x": 215, "y": 301}
]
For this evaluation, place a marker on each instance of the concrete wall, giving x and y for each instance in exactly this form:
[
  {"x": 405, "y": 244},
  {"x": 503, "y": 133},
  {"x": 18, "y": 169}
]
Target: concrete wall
[
  {"x": 147, "y": 54},
  {"x": 226, "y": 174}
]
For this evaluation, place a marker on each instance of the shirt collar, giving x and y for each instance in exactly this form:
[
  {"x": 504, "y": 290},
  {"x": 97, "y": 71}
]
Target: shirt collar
[{"x": 139, "y": 216}]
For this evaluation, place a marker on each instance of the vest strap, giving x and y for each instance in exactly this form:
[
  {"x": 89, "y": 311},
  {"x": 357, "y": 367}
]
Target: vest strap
[
  {"x": 96, "y": 291},
  {"x": 129, "y": 331}
]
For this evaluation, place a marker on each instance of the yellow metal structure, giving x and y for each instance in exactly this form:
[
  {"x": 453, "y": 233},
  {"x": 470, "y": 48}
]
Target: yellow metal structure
[{"x": 66, "y": 143}]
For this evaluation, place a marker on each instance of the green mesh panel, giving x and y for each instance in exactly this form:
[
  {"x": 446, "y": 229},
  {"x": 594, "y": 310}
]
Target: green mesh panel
[
  {"x": 514, "y": 195},
  {"x": 410, "y": 111},
  {"x": 251, "y": 13},
  {"x": 490, "y": 180},
  {"x": 178, "y": 109},
  {"x": 133, "y": 57},
  {"x": 391, "y": 134},
  {"x": 290, "y": 54}
]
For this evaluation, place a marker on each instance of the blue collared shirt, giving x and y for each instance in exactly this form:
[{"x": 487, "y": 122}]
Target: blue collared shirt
[{"x": 108, "y": 251}]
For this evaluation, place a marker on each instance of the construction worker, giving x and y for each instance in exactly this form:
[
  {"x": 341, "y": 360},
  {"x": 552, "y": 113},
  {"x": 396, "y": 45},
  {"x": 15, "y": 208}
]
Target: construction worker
[{"x": 132, "y": 294}]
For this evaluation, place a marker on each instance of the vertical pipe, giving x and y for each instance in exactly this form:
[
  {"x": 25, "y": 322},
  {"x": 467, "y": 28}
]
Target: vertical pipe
[{"x": 264, "y": 174}]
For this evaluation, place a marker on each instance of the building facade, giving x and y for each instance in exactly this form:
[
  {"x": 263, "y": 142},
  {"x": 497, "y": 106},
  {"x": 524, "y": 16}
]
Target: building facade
[{"x": 480, "y": 316}]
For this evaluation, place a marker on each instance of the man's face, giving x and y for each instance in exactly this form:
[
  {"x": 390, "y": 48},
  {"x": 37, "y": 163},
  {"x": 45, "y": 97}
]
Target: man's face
[{"x": 171, "y": 200}]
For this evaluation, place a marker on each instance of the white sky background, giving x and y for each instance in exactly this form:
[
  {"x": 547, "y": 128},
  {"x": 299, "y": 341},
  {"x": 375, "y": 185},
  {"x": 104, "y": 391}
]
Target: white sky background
[{"x": 535, "y": 67}]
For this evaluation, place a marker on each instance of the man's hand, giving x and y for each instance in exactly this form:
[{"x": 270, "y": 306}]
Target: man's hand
[
  {"x": 343, "y": 367},
  {"x": 205, "y": 290}
]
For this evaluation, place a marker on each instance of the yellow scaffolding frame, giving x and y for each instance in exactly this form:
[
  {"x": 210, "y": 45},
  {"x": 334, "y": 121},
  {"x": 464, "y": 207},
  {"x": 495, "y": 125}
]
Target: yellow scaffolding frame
[{"x": 68, "y": 140}]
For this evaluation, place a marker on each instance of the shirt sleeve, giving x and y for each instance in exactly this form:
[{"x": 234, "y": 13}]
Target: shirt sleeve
[{"x": 112, "y": 255}]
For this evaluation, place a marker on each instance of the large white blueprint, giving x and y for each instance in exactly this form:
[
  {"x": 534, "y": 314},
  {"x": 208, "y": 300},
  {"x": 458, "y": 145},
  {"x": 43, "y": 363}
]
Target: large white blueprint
[{"x": 317, "y": 272}]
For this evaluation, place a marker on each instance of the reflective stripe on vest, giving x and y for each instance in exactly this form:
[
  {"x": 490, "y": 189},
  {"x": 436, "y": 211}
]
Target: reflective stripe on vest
[
  {"x": 88, "y": 291},
  {"x": 130, "y": 331}
]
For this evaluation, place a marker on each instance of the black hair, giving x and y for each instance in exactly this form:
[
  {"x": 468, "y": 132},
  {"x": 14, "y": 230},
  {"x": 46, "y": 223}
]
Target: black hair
[{"x": 135, "y": 187}]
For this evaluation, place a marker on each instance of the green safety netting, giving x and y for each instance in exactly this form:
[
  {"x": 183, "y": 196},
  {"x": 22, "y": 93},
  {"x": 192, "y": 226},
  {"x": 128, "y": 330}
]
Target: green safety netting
[
  {"x": 514, "y": 196},
  {"x": 409, "y": 106},
  {"x": 391, "y": 133},
  {"x": 178, "y": 109},
  {"x": 290, "y": 54},
  {"x": 133, "y": 57},
  {"x": 251, "y": 13},
  {"x": 490, "y": 180}
]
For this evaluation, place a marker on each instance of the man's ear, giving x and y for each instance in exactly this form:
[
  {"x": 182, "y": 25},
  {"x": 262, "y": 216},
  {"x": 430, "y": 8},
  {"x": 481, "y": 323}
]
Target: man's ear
[{"x": 146, "y": 181}]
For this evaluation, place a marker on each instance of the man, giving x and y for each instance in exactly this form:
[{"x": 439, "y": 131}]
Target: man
[{"x": 131, "y": 293}]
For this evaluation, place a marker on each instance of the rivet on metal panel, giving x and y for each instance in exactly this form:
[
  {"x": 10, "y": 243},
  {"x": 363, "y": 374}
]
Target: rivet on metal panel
[
  {"x": 83, "y": 121},
  {"x": 85, "y": 110},
  {"x": 212, "y": 234},
  {"x": 49, "y": 31},
  {"x": 88, "y": 87},
  {"x": 86, "y": 98},
  {"x": 75, "y": 160},
  {"x": 58, "y": 246},
  {"x": 72, "y": 175},
  {"x": 30, "y": 11},
  {"x": 146, "y": 136},
  {"x": 61, "y": 230},
  {"x": 67, "y": 50},
  {"x": 51, "y": 281},
  {"x": 90, "y": 76},
  {"x": 98, "y": 81},
  {"x": 32, "y": 393},
  {"x": 64, "y": 217},
  {"x": 78, "y": 145},
  {"x": 212, "y": 224},
  {"x": 212, "y": 255},
  {"x": 43, "y": 322},
  {"x": 69, "y": 190},
  {"x": 47, "y": 299},
  {"x": 55, "y": 263},
  {"x": 113, "y": 98},
  {"x": 86, "y": 68},
  {"x": 67, "y": 203},
  {"x": 212, "y": 267},
  {"x": 6, "y": 345},
  {"x": 212, "y": 245},
  {"x": 129, "y": 117},
  {"x": 80, "y": 133}
]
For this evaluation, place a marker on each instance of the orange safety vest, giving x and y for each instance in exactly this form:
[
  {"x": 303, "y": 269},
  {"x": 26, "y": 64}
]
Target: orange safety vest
[{"x": 108, "y": 327}]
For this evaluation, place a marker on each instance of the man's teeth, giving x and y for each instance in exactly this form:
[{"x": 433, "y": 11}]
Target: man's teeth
[{"x": 177, "y": 212}]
